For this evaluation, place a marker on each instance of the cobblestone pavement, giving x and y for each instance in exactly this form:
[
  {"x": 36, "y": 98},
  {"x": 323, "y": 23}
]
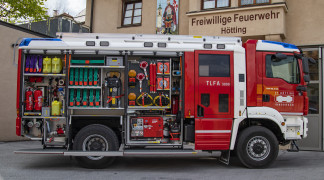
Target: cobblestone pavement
[{"x": 303, "y": 165}]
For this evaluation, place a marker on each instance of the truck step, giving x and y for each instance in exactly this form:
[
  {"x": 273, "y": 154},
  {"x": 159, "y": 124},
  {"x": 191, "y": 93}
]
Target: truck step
[
  {"x": 65, "y": 152},
  {"x": 126, "y": 152},
  {"x": 129, "y": 152},
  {"x": 41, "y": 151}
]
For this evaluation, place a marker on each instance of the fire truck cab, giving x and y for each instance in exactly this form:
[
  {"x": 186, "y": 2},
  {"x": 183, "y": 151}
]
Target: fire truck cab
[{"x": 99, "y": 96}]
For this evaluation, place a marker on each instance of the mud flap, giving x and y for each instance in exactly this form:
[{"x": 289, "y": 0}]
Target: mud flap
[
  {"x": 225, "y": 157},
  {"x": 293, "y": 147}
]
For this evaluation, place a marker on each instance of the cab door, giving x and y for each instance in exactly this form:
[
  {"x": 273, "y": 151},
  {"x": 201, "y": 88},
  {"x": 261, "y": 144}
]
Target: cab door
[
  {"x": 214, "y": 99},
  {"x": 281, "y": 79}
]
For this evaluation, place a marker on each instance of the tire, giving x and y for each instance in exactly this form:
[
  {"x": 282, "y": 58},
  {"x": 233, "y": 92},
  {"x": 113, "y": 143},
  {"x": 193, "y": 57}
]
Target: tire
[
  {"x": 95, "y": 137},
  {"x": 257, "y": 147}
]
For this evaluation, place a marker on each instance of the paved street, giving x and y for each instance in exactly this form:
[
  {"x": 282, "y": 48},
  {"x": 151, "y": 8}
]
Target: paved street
[{"x": 302, "y": 165}]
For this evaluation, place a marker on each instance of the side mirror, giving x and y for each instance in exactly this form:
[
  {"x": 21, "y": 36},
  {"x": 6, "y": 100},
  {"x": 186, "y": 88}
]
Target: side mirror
[
  {"x": 305, "y": 65},
  {"x": 306, "y": 78},
  {"x": 278, "y": 57},
  {"x": 311, "y": 60}
]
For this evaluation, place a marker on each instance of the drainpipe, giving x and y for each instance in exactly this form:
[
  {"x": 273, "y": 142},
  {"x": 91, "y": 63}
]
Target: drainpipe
[{"x": 91, "y": 15}]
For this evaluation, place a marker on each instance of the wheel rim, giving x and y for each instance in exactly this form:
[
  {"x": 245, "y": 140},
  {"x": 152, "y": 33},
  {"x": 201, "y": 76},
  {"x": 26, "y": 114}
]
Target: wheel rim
[
  {"x": 95, "y": 142},
  {"x": 258, "y": 148}
]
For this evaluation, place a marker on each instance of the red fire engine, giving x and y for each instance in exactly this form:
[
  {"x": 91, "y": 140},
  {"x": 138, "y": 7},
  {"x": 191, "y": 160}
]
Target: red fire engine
[{"x": 99, "y": 96}]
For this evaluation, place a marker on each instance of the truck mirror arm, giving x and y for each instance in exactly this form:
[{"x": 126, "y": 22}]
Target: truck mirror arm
[{"x": 278, "y": 57}]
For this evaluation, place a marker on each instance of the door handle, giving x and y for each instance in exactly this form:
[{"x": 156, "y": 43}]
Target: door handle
[
  {"x": 205, "y": 100},
  {"x": 301, "y": 88},
  {"x": 200, "y": 111},
  {"x": 266, "y": 98}
]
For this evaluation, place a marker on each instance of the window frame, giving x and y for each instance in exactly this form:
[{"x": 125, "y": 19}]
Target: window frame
[
  {"x": 124, "y": 8},
  {"x": 253, "y": 4},
  {"x": 202, "y": 5}
]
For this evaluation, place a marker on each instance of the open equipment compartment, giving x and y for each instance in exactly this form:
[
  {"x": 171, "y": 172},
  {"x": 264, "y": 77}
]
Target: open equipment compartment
[
  {"x": 101, "y": 84},
  {"x": 43, "y": 85},
  {"x": 153, "y": 101}
]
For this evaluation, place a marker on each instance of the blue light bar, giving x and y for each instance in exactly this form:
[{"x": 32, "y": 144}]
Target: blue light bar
[
  {"x": 26, "y": 41},
  {"x": 285, "y": 45}
]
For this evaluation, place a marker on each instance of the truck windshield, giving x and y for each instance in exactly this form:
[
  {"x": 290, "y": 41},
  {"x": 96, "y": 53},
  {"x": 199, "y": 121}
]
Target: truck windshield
[{"x": 286, "y": 69}]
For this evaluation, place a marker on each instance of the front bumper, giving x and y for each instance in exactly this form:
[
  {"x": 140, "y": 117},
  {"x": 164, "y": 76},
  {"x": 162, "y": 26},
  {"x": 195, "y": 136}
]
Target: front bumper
[{"x": 296, "y": 127}]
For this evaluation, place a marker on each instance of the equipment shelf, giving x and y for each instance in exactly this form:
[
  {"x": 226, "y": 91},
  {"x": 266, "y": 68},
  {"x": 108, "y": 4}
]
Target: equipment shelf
[
  {"x": 95, "y": 108},
  {"x": 89, "y": 66},
  {"x": 161, "y": 74},
  {"x": 39, "y": 74},
  {"x": 149, "y": 107},
  {"x": 42, "y": 117},
  {"x": 84, "y": 87}
]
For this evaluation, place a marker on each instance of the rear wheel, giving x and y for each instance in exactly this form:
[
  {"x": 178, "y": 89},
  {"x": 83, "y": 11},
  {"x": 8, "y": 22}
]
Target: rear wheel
[
  {"x": 95, "y": 137},
  {"x": 257, "y": 147}
]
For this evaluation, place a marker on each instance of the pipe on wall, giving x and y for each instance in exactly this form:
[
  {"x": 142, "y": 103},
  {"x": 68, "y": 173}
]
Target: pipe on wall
[{"x": 91, "y": 16}]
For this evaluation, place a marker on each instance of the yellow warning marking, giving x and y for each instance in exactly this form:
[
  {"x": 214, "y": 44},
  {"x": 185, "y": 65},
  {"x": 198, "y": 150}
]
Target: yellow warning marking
[{"x": 197, "y": 37}]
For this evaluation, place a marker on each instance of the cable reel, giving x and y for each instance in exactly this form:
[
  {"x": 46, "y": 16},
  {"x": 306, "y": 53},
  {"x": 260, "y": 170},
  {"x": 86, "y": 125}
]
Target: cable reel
[
  {"x": 161, "y": 100},
  {"x": 144, "y": 99}
]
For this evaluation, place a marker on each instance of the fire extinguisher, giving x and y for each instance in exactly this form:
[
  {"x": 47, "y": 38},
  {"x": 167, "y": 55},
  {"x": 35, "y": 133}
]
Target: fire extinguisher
[
  {"x": 175, "y": 104},
  {"x": 29, "y": 100},
  {"x": 38, "y": 97}
]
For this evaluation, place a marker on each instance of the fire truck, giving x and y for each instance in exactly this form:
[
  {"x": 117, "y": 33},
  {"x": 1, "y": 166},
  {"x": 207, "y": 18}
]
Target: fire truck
[{"x": 100, "y": 96}]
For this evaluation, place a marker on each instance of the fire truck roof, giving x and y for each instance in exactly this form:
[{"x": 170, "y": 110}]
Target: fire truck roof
[
  {"x": 132, "y": 42},
  {"x": 145, "y": 42}
]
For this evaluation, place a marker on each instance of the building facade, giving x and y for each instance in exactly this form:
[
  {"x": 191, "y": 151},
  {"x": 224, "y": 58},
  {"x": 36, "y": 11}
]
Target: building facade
[
  {"x": 291, "y": 21},
  {"x": 59, "y": 23},
  {"x": 10, "y": 36}
]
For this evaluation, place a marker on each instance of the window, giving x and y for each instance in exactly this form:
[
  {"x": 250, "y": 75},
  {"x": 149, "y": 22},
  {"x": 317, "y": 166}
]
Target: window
[
  {"x": 223, "y": 102},
  {"x": 286, "y": 69},
  {"x": 132, "y": 14},
  {"x": 214, "y": 65},
  {"x": 208, "y": 4},
  {"x": 254, "y": 2}
]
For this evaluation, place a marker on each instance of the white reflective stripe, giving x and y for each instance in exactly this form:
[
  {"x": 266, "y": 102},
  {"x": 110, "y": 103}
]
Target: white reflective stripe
[
  {"x": 213, "y": 131},
  {"x": 288, "y": 113}
]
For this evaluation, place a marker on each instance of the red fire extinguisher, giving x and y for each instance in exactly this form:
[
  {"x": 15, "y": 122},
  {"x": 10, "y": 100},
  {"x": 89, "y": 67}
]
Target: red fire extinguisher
[
  {"x": 38, "y": 97},
  {"x": 29, "y": 100},
  {"x": 175, "y": 104}
]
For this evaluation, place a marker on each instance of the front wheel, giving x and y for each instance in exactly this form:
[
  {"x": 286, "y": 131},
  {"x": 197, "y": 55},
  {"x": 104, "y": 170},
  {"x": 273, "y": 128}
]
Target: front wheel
[
  {"x": 257, "y": 147},
  {"x": 95, "y": 137}
]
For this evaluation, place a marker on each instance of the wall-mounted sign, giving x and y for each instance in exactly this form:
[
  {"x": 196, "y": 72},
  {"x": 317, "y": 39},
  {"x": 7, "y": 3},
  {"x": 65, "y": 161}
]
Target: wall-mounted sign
[
  {"x": 239, "y": 23},
  {"x": 167, "y": 17}
]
